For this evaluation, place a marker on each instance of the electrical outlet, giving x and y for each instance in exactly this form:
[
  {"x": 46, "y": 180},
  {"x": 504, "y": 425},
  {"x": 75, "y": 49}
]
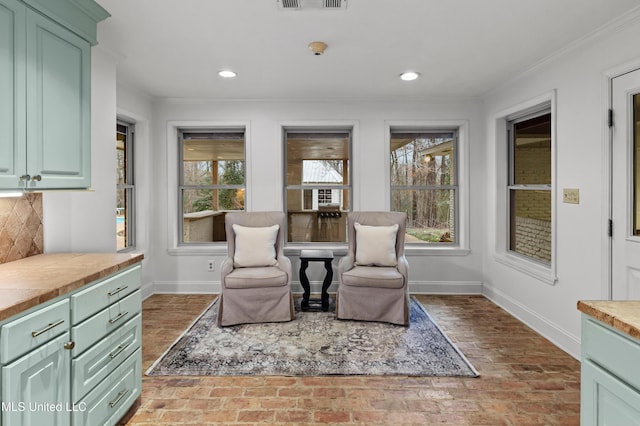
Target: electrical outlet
[
  {"x": 211, "y": 265},
  {"x": 571, "y": 195}
]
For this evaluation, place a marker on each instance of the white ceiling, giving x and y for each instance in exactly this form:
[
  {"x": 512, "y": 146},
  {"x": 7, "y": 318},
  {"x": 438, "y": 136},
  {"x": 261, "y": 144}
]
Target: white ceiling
[{"x": 462, "y": 48}]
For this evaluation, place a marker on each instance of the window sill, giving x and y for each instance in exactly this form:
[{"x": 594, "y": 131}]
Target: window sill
[
  {"x": 214, "y": 250},
  {"x": 431, "y": 250},
  {"x": 293, "y": 249},
  {"x": 546, "y": 275},
  {"x": 410, "y": 250}
]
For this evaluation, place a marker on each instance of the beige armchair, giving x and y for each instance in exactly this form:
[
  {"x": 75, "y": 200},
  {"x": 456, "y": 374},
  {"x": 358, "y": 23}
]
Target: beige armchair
[
  {"x": 373, "y": 276},
  {"x": 255, "y": 276}
]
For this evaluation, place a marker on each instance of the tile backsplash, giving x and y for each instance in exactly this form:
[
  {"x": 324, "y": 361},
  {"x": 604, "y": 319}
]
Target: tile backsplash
[{"x": 20, "y": 227}]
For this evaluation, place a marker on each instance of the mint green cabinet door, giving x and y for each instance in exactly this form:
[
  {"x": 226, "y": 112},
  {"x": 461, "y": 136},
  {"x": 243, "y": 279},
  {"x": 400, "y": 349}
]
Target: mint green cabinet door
[
  {"x": 12, "y": 89},
  {"x": 606, "y": 400},
  {"x": 58, "y": 105},
  {"x": 36, "y": 387}
]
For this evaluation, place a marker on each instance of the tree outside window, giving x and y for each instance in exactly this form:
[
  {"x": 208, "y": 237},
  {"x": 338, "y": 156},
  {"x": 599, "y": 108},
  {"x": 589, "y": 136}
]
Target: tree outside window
[{"x": 423, "y": 183}]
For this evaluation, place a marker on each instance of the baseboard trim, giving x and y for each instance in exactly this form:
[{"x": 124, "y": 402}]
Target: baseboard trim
[
  {"x": 555, "y": 334},
  {"x": 211, "y": 287},
  {"x": 445, "y": 287},
  {"x": 186, "y": 287}
]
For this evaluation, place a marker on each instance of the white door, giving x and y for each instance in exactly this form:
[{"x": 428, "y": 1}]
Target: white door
[{"x": 625, "y": 209}]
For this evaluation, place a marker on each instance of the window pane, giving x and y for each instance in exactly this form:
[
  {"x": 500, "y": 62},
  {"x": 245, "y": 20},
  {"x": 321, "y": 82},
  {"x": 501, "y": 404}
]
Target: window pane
[
  {"x": 318, "y": 158},
  {"x": 532, "y": 151},
  {"x": 310, "y": 220},
  {"x": 201, "y": 223},
  {"x": 121, "y": 157},
  {"x": 422, "y": 159},
  {"x": 122, "y": 223},
  {"x": 213, "y": 162},
  {"x": 430, "y": 214},
  {"x": 531, "y": 223}
]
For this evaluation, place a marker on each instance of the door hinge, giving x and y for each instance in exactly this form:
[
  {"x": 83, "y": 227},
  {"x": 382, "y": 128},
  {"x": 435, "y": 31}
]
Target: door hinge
[
  {"x": 610, "y": 231},
  {"x": 610, "y": 118}
]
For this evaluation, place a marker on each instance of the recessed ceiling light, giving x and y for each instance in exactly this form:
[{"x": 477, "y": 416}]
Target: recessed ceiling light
[
  {"x": 409, "y": 75},
  {"x": 227, "y": 73}
]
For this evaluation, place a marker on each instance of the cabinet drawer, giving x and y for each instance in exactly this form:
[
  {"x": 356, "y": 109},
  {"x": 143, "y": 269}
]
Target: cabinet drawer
[
  {"x": 616, "y": 352},
  {"x": 30, "y": 331},
  {"x": 96, "y": 363},
  {"x": 97, "y": 297},
  {"x": 104, "y": 322},
  {"x": 111, "y": 399}
]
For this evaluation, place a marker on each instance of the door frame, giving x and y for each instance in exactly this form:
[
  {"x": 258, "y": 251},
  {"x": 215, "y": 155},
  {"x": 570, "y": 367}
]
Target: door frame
[{"x": 606, "y": 290}]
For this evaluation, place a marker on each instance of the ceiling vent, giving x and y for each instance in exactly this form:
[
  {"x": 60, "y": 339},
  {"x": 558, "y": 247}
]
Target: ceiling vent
[{"x": 312, "y": 4}]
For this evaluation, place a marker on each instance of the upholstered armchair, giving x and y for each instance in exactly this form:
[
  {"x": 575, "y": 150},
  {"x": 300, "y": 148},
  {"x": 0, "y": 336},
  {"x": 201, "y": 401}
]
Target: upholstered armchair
[
  {"x": 255, "y": 276},
  {"x": 373, "y": 276}
]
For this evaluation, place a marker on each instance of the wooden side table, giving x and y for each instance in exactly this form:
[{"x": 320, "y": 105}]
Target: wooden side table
[{"x": 307, "y": 256}]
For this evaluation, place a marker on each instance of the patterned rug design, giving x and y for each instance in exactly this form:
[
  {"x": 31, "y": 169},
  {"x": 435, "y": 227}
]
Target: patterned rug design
[{"x": 314, "y": 344}]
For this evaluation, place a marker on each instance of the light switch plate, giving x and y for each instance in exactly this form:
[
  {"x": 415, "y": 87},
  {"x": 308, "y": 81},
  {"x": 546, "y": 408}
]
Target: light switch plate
[{"x": 571, "y": 195}]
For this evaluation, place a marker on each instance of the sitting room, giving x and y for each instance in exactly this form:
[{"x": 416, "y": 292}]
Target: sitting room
[{"x": 320, "y": 212}]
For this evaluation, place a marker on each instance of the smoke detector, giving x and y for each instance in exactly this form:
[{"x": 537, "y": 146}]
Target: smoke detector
[
  {"x": 312, "y": 4},
  {"x": 317, "y": 47}
]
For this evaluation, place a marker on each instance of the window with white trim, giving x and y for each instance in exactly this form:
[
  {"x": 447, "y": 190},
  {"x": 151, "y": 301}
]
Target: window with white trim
[{"x": 125, "y": 188}]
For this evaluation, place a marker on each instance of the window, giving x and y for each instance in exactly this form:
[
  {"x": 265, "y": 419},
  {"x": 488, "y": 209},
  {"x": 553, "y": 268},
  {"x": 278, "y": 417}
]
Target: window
[
  {"x": 125, "y": 189},
  {"x": 212, "y": 182},
  {"x": 424, "y": 183},
  {"x": 529, "y": 186},
  {"x": 318, "y": 184}
]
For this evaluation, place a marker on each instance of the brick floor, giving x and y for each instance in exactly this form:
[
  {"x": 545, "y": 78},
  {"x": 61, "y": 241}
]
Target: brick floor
[{"x": 525, "y": 380}]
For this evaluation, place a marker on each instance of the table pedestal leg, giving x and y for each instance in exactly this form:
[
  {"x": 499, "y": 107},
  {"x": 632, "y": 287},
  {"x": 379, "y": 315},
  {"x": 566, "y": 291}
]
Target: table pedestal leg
[
  {"x": 325, "y": 285},
  {"x": 305, "y": 284}
]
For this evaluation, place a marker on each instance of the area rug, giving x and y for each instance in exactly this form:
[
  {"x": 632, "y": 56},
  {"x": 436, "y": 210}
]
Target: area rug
[{"x": 314, "y": 344}]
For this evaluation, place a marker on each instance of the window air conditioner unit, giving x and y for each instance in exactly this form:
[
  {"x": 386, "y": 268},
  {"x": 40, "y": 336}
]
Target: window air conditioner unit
[{"x": 312, "y": 4}]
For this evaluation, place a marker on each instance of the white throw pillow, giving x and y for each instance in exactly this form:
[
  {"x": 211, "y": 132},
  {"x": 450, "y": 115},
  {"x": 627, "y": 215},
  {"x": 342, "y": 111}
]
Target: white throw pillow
[
  {"x": 255, "y": 246},
  {"x": 376, "y": 245}
]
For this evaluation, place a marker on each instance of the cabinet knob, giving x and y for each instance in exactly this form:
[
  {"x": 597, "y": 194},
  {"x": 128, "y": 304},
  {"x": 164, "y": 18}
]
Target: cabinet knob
[
  {"x": 36, "y": 178},
  {"x": 25, "y": 177},
  {"x": 70, "y": 345}
]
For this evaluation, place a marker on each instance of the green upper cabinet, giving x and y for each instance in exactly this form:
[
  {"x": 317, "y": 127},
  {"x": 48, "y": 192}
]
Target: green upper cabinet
[
  {"x": 12, "y": 86},
  {"x": 48, "y": 73}
]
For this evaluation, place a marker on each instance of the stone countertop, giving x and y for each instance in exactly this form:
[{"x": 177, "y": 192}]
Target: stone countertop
[
  {"x": 34, "y": 280},
  {"x": 622, "y": 315}
]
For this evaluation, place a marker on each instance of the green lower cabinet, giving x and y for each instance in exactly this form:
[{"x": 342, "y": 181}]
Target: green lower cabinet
[
  {"x": 113, "y": 397},
  {"x": 99, "y": 362},
  {"x": 610, "y": 376},
  {"x": 608, "y": 400},
  {"x": 36, "y": 388}
]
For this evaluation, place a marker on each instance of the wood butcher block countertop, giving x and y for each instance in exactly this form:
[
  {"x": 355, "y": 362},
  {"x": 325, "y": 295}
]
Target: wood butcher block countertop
[
  {"x": 622, "y": 315},
  {"x": 34, "y": 280}
]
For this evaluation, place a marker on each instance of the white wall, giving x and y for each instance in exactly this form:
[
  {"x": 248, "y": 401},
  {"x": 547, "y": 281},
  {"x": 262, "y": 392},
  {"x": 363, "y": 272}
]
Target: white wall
[
  {"x": 84, "y": 221},
  {"x": 136, "y": 108},
  {"x": 579, "y": 78},
  {"x": 187, "y": 273}
]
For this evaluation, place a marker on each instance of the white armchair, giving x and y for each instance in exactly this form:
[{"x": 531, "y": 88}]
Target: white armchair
[
  {"x": 373, "y": 277},
  {"x": 255, "y": 276}
]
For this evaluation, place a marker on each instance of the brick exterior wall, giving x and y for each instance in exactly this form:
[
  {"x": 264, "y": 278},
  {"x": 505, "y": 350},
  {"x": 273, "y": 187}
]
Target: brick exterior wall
[{"x": 533, "y": 208}]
